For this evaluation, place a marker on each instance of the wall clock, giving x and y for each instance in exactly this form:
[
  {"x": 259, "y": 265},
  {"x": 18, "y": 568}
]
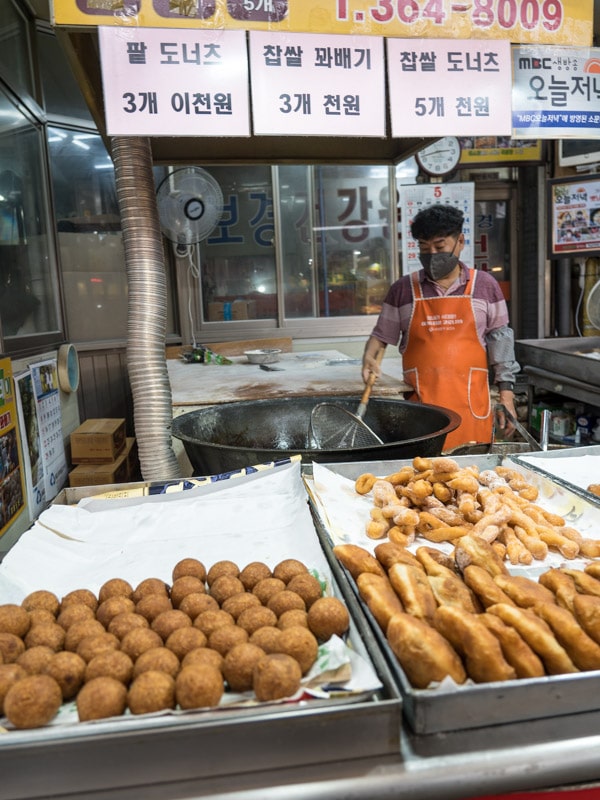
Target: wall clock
[{"x": 441, "y": 157}]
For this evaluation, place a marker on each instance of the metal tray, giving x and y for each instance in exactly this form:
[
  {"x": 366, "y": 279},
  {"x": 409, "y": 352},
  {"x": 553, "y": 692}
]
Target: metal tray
[
  {"x": 548, "y": 463},
  {"x": 209, "y": 748},
  {"x": 562, "y": 356},
  {"x": 435, "y": 711}
]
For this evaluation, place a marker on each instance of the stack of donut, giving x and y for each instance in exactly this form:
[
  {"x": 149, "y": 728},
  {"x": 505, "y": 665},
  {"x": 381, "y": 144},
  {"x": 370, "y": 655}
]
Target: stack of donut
[
  {"x": 157, "y": 646},
  {"x": 463, "y": 615}
]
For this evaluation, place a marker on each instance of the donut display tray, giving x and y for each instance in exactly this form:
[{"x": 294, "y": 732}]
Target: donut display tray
[
  {"x": 461, "y": 710},
  {"x": 241, "y": 745}
]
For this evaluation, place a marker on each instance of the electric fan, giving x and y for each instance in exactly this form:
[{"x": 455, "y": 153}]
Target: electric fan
[{"x": 190, "y": 204}]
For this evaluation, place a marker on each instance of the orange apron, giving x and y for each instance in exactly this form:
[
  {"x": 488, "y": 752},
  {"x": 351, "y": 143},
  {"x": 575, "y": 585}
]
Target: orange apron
[{"x": 446, "y": 364}]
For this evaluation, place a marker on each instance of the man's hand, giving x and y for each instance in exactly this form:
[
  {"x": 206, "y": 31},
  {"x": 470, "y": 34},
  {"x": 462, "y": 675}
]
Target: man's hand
[
  {"x": 371, "y": 361},
  {"x": 507, "y": 399}
]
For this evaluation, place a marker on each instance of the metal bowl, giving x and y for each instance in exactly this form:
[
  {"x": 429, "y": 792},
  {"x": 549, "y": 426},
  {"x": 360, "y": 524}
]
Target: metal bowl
[
  {"x": 232, "y": 436},
  {"x": 265, "y": 356}
]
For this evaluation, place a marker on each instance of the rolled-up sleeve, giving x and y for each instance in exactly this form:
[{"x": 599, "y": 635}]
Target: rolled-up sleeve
[{"x": 500, "y": 344}]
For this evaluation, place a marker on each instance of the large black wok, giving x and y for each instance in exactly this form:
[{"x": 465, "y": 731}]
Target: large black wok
[{"x": 231, "y": 436}]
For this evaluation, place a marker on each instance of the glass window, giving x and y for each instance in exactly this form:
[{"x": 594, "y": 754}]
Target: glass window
[
  {"x": 62, "y": 95},
  {"x": 15, "y": 65},
  {"x": 334, "y": 252},
  {"x": 89, "y": 237},
  {"x": 28, "y": 292},
  {"x": 353, "y": 239},
  {"x": 238, "y": 257}
]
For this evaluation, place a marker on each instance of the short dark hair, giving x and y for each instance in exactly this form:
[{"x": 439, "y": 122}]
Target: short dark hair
[{"x": 437, "y": 220}]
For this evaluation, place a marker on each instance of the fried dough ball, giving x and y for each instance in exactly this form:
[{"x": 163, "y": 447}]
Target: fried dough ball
[
  {"x": 9, "y": 674},
  {"x": 267, "y": 638},
  {"x": 182, "y": 640},
  {"x": 80, "y": 596},
  {"x": 189, "y": 566},
  {"x": 183, "y": 586},
  {"x": 327, "y": 617},
  {"x": 227, "y": 636},
  {"x": 203, "y": 656},
  {"x": 33, "y": 701},
  {"x": 254, "y": 572},
  {"x": 199, "y": 686},
  {"x": 169, "y": 621},
  {"x": 266, "y": 588},
  {"x": 115, "y": 587},
  {"x": 41, "y": 616},
  {"x": 100, "y": 698},
  {"x": 276, "y": 675},
  {"x": 76, "y": 612},
  {"x": 68, "y": 670},
  {"x": 110, "y": 664},
  {"x": 149, "y": 586},
  {"x": 293, "y": 618},
  {"x": 42, "y": 599},
  {"x": 95, "y": 644},
  {"x": 301, "y": 644},
  {"x": 151, "y": 605},
  {"x": 14, "y": 619},
  {"x": 223, "y": 567},
  {"x": 138, "y": 640},
  {"x": 225, "y": 586},
  {"x": 237, "y": 603},
  {"x": 209, "y": 621},
  {"x": 35, "y": 659},
  {"x": 51, "y": 635},
  {"x": 238, "y": 667},
  {"x": 79, "y": 630},
  {"x": 196, "y": 603},
  {"x": 286, "y": 601},
  {"x": 288, "y": 568},
  {"x": 157, "y": 658},
  {"x": 253, "y": 618},
  {"x": 121, "y": 624},
  {"x": 112, "y": 606},
  {"x": 307, "y": 586},
  {"x": 11, "y": 647},
  {"x": 151, "y": 691}
]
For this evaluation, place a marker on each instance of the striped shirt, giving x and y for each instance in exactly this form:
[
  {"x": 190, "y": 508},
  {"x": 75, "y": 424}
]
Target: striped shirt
[{"x": 489, "y": 308}]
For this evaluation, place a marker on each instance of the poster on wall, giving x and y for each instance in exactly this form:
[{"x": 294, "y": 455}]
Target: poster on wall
[
  {"x": 33, "y": 470},
  {"x": 414, "y": 198},
  {"x": 52, "y": 448},
  {"x": 574, "y": 208},
  {"x": 555, "y": 92},
  {"x": 12, "y": 494}
]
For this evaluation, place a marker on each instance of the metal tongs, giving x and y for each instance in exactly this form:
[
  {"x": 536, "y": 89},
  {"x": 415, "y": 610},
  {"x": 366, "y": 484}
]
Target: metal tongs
[{"x": 542, "y": 444}]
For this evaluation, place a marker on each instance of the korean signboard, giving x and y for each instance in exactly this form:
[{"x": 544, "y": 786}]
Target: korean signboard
[
  {"x": 525, "y": 21},
  {"x": 175, "y": 83},
  {"x": 12, "y": 496},
  {"x": 556, "y": 92},
  {"x": 449, "y": 87},
  {"x": 317, "y": 84},
  {"x": 574, "y": 208}
]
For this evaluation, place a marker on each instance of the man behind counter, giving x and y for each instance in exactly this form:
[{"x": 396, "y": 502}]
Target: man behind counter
[{"x": 451, "y": 327}]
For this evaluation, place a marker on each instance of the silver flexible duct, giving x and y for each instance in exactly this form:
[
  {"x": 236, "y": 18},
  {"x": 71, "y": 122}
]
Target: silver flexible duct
[{"x": 147, "y": 307}]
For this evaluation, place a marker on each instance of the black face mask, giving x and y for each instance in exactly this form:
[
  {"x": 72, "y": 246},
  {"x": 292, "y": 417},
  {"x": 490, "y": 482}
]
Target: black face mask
[{"x": 438, "y": 265}]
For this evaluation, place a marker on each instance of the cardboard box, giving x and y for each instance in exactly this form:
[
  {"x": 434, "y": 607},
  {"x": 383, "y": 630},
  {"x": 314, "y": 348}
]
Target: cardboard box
[
  {"x": 131, "y": 458},
  {"x": 237, "y": 309},
  {"x": 96, "y": 474},
  {"x": 98, "y": 441},
  {"x": 243, "y": 309},
  {"x": 216, "y": 312}
]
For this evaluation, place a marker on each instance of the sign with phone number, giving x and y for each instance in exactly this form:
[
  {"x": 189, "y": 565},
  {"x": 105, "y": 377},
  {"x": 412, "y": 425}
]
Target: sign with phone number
[{"x": 520, "y": 21}]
